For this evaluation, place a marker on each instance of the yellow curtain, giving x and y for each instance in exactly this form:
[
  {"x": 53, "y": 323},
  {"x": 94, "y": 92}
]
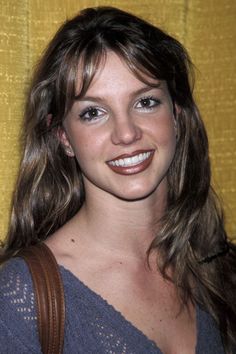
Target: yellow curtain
[{"x": 207, "y": 28}]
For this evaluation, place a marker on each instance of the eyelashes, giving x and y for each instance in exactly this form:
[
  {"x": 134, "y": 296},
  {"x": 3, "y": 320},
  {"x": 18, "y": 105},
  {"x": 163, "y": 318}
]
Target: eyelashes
[
  {"x": 148, "y": 102},
  {"x": 92, "y": 114}
]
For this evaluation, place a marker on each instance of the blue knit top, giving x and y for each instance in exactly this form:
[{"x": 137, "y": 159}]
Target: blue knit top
[{"x": 92, "y": 325}]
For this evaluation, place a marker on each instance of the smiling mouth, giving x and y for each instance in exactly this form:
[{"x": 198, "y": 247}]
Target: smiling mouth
[
  {"x": 130, "y": 161},
  {"x": 131, "y": 164}
]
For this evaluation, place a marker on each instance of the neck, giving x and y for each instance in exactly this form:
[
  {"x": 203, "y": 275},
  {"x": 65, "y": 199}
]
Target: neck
[{"x": 119, "y": 226}]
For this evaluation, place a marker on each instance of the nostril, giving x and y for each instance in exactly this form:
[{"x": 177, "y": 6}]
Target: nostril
[{"x": 126, "y": 133}]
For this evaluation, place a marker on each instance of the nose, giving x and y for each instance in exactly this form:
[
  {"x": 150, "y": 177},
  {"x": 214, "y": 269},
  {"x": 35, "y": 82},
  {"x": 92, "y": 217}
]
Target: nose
[{"x": 125, "y": 131}]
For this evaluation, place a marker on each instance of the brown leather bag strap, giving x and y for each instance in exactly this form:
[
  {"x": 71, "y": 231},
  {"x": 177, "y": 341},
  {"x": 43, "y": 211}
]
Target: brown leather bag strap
[{"x": 49, "y": 296}]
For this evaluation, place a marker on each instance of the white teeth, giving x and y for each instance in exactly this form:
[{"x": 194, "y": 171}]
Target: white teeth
[
  {"x": 131, "y": 161},
  {"x": 135, "y": 159}
]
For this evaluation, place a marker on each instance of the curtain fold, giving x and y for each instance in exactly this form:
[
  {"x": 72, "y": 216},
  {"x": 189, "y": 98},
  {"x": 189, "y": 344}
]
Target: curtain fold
[{"x": 208, "y": 29}]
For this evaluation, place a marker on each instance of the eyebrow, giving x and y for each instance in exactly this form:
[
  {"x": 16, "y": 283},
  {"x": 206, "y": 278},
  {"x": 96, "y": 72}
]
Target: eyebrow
[{"x": 146, "y": 88}]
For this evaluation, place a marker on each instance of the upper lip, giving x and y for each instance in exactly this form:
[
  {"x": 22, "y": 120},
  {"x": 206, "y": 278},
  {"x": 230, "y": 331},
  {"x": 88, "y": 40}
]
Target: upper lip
[{"x": 134, "y": 153}]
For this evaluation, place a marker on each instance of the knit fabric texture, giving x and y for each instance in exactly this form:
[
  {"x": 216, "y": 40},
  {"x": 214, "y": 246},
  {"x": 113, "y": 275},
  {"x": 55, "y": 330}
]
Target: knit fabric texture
[{"x": 92, "y": 325}]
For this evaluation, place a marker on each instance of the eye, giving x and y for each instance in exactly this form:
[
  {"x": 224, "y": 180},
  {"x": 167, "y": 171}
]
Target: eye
[
  {"x": 92, "y": 114},
  {"x": 147, "y": 103}
]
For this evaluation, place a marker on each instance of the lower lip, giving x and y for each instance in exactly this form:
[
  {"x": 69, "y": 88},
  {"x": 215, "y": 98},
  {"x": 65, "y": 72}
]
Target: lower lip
[{"x": 132, "y": 170}]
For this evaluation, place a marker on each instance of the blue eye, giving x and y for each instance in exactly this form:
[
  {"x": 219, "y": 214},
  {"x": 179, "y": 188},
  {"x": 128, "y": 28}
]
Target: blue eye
[
  {"x": 91, "y": 114},
  {"x": 148, "y": 102}
]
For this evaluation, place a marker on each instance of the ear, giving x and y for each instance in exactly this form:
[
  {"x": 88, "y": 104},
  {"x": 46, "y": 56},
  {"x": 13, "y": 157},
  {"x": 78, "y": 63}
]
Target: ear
[
  {"x": 63, "y": 138},
  {"x": 176, "y": 112},
  {"x": 49, "y": 120}
]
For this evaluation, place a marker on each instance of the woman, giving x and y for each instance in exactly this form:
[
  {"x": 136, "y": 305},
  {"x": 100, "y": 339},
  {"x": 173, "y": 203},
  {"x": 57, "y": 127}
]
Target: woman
[{"x": 115, "y": 179}]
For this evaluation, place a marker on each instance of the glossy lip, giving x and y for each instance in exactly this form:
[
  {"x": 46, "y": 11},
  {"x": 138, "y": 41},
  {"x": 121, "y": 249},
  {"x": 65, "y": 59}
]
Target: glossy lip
[{"x": 131, "y": 170}]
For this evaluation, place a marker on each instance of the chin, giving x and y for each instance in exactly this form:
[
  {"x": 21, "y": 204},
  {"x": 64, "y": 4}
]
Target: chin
[
  {"x": 136, "y": 194},
  {"x": 129, "y": 190}
]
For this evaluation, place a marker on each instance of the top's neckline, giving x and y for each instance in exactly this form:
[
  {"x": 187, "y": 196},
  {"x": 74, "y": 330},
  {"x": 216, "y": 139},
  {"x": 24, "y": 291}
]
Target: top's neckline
[{"x": 111, "y": 308}]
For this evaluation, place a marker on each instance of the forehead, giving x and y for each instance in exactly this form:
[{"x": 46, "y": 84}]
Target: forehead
[{"x": 113, "y": 74}]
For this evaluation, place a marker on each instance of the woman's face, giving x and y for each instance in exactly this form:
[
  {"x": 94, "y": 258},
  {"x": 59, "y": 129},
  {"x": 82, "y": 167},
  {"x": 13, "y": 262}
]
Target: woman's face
[{"x": 122, "y": 132}]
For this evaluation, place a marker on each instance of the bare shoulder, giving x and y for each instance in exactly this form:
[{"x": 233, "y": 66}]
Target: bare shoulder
[{"x": 62, "y": 241}]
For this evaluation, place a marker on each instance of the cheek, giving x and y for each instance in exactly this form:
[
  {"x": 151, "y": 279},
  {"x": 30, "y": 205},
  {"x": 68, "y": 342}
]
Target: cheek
[
  {"x": 165, "y": 133},
  {"x": 88, "y": 148},
  {"x": 169, "y": 138}
]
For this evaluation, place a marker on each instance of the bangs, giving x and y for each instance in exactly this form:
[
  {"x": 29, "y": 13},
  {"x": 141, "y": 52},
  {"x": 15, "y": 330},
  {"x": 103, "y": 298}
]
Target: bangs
[
  {"x": 84, "y": 67},
  {"x": 145, "y": 59},
  {"x": 76, "y": 66}
]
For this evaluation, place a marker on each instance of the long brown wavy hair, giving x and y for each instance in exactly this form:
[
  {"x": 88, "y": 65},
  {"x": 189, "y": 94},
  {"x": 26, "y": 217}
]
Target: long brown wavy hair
[{"x": 192, "y": 240}]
